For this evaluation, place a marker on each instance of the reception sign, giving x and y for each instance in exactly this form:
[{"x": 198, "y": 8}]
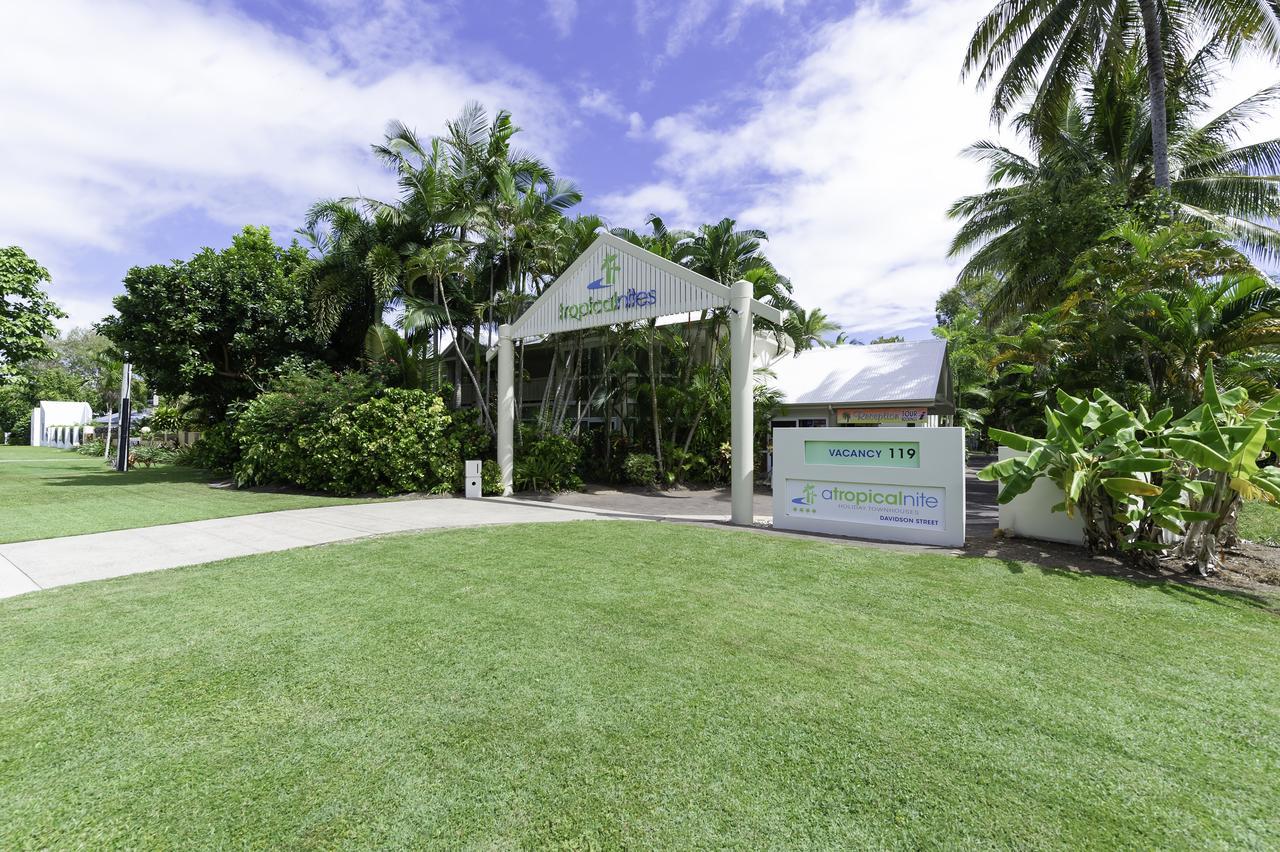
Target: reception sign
[
  {"x": 895, "y": 489},
  {"x": 881, "y": 415}
]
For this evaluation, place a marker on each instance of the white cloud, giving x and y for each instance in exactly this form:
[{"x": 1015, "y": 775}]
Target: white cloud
[
  {"x": 635, "y": 125},
  {"x": 849, "y": 162},
  {"x": 563, "y": 13},
  {"x": 603, "y": 103},
  {"x": 689, "y": 21},
  {"x": 630, "y": 209},
  {"x": 740, "y": 9},
  {"x": 119, "y": 114}
]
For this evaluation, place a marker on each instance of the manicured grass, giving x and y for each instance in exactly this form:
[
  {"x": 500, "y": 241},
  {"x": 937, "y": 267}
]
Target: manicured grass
[
  {"x": 607, "y": 684},
  {"x": 1260, "y": 522},
  {"x": 46, "y": 493}
]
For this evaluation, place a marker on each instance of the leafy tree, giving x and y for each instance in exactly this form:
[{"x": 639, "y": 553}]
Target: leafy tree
[
  {"x": 1176, "y": 301},
  {"x": 1093, "y": 171},
  {"x": 885, "y": 338},
  {"x": 1042, "y": 49},
  {"x": 216, "y": 326},
  {"x": 972, "y": 348},
  {"x": 26, "y": 312},
  {"x": 91, "y": 358}
]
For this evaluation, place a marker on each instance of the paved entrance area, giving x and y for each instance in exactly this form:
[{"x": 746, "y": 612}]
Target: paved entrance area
[
  {"x": 712, "y": 504},
  {"x": 29, "y": 566}
]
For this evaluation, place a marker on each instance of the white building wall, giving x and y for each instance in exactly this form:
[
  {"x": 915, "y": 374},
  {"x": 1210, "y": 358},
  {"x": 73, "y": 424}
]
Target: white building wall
[{"x": 1030, "y": 515}]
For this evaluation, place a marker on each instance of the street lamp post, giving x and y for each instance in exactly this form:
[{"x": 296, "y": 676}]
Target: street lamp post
[{"x": 122, "y": 453}]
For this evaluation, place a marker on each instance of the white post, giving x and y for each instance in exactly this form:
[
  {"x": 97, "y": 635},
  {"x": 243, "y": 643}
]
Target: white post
[
  {"x": 742, "y": 479},
  {"x": 106, "y": 450},
  {"x": 37, "y": 428},
  {"x": 506, "y": 407}
]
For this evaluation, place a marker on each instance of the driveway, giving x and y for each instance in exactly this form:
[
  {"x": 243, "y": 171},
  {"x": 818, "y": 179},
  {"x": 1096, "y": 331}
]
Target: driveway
[
  {"x": 29, "y": 566},
  {"x": 712, "y": 504}
]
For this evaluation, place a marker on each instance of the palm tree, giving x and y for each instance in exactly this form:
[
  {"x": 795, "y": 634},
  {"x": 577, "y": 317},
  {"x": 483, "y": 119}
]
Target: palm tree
[
  {"x": 808, "y": 329},
  {"x": 400, "y": 361},
  {"x": 354, "y": 279},
  {"x": 1043, "y": 49},
  {"x": 674, "y": 246},
  {"x": 1179, "y": 300},
  {"x": 462, "y": 245},
  {"x": 1039, "y": 212}
]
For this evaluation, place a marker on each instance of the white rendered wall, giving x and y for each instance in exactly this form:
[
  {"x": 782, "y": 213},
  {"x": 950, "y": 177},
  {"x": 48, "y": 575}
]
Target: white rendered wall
[{"x": 1030, "y": 515}]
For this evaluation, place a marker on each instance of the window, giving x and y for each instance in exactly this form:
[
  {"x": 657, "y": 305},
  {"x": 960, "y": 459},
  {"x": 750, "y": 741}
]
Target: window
[
  {"x": 811, "y": 422},
  {"x": 784, "y": 424}
]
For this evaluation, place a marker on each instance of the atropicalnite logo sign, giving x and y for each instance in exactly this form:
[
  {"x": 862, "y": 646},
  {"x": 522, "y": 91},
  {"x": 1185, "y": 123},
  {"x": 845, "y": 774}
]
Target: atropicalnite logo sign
[{"x": 865, "y": 503}]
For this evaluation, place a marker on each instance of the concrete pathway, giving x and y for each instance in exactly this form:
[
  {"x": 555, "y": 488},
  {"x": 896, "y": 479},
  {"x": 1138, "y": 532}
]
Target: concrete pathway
[{"x": 29, "y": 566}]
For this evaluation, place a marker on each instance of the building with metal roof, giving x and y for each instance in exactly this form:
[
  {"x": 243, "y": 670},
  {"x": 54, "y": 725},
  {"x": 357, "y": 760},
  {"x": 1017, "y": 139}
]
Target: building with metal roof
[{"x": 891, "y": 383}]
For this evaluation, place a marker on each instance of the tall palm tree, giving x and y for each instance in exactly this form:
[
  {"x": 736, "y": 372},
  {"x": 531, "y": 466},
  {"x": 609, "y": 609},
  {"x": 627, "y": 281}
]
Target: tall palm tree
[
  {"x": 355, "y": 277},
  {"x": 462, "y": 244},
  {"x": 1042, "y": 49},
  {"x": 808, "y": 329},
  {"x": 1039, "y": 212}
]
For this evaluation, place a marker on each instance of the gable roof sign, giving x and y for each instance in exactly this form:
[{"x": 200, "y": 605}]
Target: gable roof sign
[
  {"x": 862, "y": 375},
  {"x": 614, "y": 281}
]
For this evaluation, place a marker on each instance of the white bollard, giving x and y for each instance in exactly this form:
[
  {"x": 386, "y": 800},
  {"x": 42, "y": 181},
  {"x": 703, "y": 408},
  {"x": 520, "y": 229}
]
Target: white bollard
[{"x": 474, "y": 478}]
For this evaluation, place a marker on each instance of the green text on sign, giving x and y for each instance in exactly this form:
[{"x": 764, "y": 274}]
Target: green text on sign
[{"x": 863, "y": 453}]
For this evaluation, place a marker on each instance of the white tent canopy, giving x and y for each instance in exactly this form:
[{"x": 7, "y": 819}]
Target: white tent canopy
[{"x": 59, "y": 424}]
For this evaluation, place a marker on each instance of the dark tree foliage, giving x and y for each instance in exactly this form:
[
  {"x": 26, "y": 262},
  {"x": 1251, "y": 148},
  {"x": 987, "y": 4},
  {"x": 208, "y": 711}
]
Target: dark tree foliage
[
  {"x": 26, "y": 312},
  {"x": 214, "y": 327}
]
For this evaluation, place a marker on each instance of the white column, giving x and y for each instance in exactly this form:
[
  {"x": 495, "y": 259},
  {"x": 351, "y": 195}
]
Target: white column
[
  {"x": 506, "y": 406},
  {"x": 742, "y": 477},
  {"x": 37, "y": 428}
]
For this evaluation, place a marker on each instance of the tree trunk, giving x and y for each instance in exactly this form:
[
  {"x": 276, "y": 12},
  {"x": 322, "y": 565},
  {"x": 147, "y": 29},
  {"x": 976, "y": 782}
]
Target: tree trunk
[
  {"x": 1200, "y": 546},
  {"x": 1156, "y": 82}
]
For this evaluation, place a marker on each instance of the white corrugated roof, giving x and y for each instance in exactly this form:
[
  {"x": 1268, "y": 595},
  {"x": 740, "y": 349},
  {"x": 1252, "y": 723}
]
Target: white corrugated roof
[
  {"x": 884, "y": 372},
  {"x": 65, "y": 413}
]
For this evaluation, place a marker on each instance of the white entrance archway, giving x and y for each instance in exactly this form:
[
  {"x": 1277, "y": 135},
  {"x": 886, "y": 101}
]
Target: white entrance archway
[{"x": 616, "y": 282}]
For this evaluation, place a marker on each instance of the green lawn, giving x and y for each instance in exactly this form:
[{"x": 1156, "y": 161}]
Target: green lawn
[
  {"x": 46, "y": 493},
  {"x": 622, "y": 684},
  {"x": 1260, "y": 522}
]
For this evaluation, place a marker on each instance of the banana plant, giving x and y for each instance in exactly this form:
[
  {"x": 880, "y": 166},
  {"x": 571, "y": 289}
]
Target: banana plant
[
  {"x": 1096, "y": 452},
  {"x": 1217, "y": 446}
]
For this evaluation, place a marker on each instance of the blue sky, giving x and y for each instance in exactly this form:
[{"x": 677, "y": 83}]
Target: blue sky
[{"x": 139, "y": 131}]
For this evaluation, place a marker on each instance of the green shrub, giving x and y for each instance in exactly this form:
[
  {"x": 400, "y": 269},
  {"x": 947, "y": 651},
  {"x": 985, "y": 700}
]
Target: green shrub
[
  {"x": 640, "y": 468},
  {"x": 383, "y": 445},
  {"x": 20, "y": 431},
  {"x": 464, "y": 438},
  {"x": 1134, "y": 478},
  {"x": 216, "y": 450},
  {"x": 546, "y": 462},
  {"x": 151, "y": 454},
  {"x": 490, "y": 478},
  {"x": 93, "y": 447},
  {"x": 277, "y": 433}
]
